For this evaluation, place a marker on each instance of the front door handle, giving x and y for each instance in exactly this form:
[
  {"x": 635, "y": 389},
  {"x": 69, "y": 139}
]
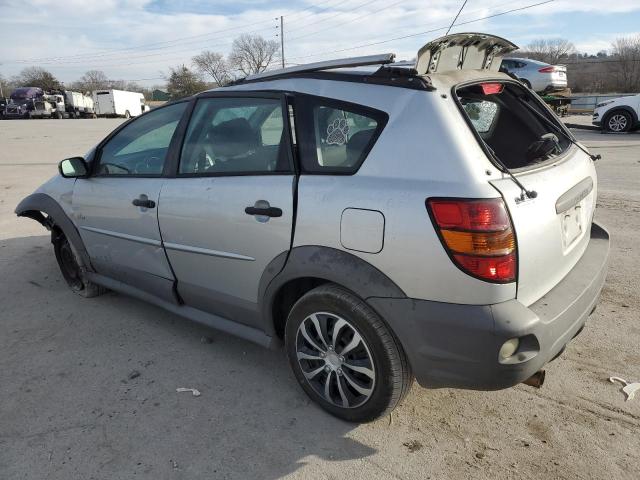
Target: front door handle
[
  {"x": 144, "y": 202},
  {"x": 265, "y": 211}
]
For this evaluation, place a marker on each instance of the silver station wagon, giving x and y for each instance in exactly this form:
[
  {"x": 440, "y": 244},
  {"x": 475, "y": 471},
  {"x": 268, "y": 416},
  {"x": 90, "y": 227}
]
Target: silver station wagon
[{"x": 384, "y": 222}]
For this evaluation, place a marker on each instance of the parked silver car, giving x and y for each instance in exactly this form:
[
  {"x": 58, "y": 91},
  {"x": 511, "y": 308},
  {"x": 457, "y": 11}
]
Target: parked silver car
[
  {"x": 385, "y": 222},
  {"x": 538, "y": 76}
]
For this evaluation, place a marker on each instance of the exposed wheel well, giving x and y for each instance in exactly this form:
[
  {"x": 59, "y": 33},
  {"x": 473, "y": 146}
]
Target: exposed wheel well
[{"x": 287, "y": 296}]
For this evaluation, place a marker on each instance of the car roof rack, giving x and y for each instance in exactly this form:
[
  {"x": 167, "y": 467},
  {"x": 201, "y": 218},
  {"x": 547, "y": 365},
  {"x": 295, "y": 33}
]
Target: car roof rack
[{"x": 382, "y": 59}]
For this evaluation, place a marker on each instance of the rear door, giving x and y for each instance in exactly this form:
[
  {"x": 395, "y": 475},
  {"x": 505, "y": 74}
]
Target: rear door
[
  {"x": 116, "y": 207},
  {"x": 552, "y": 229},
  {"x": 463, "y": 51},
  {"x": 228, "y": 212}
]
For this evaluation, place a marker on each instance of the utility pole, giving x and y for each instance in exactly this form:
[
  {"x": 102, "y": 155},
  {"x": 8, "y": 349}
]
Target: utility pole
[{"x": 282, "y": 39}]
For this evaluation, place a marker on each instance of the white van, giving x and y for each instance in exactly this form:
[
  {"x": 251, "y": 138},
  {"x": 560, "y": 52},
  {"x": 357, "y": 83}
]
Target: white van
[{"x": 118, "y": 103}]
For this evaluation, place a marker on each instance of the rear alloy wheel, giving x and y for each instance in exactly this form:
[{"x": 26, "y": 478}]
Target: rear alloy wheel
[
  {"x": 70, "y": 268},
  {"x": 618, "y": 121},
  {"x": 344, "y": 356}
]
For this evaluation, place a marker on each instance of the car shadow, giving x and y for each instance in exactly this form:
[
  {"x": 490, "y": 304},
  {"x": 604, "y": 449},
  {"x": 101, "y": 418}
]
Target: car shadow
[{"x": 89, "y": 389}]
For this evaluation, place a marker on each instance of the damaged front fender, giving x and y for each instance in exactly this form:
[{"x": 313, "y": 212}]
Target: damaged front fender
[{"x": 45, "y": 210}]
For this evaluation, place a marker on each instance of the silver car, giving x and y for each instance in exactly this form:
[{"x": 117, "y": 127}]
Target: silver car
[
  {"x": 384, "y": 222},
  {"x": 538, "y": 76}
]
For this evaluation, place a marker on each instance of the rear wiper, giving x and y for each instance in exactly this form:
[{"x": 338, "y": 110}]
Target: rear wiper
[
  {"x": 524, "y": 193},
  {"x": 550, "y": 123}
]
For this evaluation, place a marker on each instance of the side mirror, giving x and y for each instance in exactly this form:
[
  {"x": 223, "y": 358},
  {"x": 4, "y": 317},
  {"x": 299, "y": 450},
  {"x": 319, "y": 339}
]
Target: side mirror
[{"x": 74, "y": 167}]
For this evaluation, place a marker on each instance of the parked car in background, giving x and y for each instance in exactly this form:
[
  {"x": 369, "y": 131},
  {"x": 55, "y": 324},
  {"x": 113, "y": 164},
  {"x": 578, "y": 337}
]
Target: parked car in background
[
  {"x": 385, "y": 222},
  {"x": 618, "y": 114},
  {"x": 538, "y": 76}
]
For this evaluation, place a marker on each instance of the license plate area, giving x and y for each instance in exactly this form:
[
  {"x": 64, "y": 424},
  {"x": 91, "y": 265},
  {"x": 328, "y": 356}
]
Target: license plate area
[{"x": 572, "y": 224}]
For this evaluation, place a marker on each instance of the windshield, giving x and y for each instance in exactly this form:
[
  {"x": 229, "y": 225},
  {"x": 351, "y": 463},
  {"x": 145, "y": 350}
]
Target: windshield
[{"x": 501, "y": 115}]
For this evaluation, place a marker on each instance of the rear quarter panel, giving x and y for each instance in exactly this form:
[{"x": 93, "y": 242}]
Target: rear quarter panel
[{"x": 425, "y": 150}]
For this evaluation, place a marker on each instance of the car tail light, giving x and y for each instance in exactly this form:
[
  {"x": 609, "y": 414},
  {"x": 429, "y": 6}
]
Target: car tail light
[
  {"x": 477, "y": 235},
  {"x": 491, "y": 88},
  {"x": 549, "y": 69}
]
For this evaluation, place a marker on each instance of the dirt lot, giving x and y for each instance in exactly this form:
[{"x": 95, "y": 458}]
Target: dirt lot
[{"x": 70, "y": 409}]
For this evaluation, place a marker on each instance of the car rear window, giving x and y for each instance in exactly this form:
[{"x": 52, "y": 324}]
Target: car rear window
[{"x": 506, "y": 118}]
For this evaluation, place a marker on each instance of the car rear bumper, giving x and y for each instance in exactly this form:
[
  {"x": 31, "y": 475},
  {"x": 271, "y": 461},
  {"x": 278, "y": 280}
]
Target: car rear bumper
[{"x": 452, "y": 345}]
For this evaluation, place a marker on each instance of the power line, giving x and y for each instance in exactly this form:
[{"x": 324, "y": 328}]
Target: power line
[
  {"x": 340, "y": 12},
  {"x": 139, "y": 46},
  {"x": 425, "y": 32},
  {"x": 456, "y": 17},
  {"x": 348, "y": 21}
]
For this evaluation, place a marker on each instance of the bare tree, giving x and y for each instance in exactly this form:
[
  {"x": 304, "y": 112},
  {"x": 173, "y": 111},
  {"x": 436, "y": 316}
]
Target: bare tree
[
  {"x": 92, "y": 80},
  {"x": 626, "y": 66},
  {"x": 253, "y": 54},
  {"x": 550, "y": 50},
  {"x": 37, "y": 77},
  {"x": 214, "y": 65}
]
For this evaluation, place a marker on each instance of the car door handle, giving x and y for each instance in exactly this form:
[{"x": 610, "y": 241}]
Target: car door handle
[
  {"x": 266, "y": 211},
  {"x": 144, "y": 202}
]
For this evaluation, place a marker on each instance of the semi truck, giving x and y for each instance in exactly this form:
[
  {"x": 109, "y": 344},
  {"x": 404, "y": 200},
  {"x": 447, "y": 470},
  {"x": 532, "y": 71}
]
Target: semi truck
[
  {"x": 33, "y": 102},
  {"x": 118, "y": 103}
]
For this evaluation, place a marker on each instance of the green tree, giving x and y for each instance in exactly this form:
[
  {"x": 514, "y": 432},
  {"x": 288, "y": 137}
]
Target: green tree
[{"x": 183, "y": 82}]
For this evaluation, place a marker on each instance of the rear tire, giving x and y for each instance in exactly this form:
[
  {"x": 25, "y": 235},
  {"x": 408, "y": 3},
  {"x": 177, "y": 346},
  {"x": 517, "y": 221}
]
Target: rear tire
[
  {"x": 526, "y": 83},
  {"x": 70, "y": 268},
  {"x": 618, "y": 121},
  {"x": 365, "y": 374},
  {"x": 127, "y": 114}
]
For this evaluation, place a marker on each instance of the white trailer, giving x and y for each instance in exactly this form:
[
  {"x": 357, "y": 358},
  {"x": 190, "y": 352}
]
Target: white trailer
[
  {"x": 118, "y": 103},
  {"x": 78, "y": 105}
]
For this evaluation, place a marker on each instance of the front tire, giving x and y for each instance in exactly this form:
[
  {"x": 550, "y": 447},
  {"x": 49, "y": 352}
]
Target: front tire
[
  {"x": 70, "y": 268},
  {"x": 618, "y": 121},
  {"x": 127, "y": 114},
  {"x": 344, "y": 356}
]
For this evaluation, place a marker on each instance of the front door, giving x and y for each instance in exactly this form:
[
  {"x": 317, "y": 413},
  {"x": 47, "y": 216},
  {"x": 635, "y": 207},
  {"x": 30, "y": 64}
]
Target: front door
[
  {"x": 229, "y": 211},
  {"x": 116, "y": 207}
]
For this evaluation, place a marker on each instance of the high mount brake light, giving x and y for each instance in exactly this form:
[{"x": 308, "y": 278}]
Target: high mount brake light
[
  {"x": 478, "y": 236},
  {"x": 491, "y": 88}
]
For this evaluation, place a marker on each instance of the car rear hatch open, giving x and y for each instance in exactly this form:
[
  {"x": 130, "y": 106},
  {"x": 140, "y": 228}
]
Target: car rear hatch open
[
  {"x": 552, "y": 226},
  {"x": 463, "y": 51}
]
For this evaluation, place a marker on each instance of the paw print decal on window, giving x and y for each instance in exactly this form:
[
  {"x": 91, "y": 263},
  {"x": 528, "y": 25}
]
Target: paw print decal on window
[{"x": 337, "y": 132}]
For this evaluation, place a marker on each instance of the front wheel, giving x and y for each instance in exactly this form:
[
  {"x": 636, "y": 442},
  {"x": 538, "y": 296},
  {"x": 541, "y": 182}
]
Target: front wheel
[
  {"x": 70, "y": 268},
  {"x": 618, "y": 121},
  {"x": 127, "y": 114},
  {"x": 344, "y": 356}
]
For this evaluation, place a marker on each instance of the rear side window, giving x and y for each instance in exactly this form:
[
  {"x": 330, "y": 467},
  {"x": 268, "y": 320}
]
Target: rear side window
[
  {"x": 506, "y": 118},
  {"x": 335, "y": 136}
]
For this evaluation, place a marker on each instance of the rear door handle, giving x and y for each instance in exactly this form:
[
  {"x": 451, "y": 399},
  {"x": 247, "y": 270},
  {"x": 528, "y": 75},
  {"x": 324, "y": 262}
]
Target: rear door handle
[
  {"x": 266, "y": 211},
  {"x": 144, "y": 202}
]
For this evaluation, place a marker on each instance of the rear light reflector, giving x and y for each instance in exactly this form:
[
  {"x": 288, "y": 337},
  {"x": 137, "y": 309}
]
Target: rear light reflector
[
  {"x": 501, "y": 268},
  {"x": 477, "y": 235},
  {"x": 549, "y": 69}
]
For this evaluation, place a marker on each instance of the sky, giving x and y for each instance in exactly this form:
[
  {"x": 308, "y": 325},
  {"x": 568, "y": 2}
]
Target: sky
[{"x": 138, "y": 40}]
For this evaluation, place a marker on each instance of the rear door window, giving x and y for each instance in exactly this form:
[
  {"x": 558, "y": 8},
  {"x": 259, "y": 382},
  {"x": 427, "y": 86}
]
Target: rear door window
[
  {"x": 336, "y": 136},
  {"x": 506, "y": 118}
]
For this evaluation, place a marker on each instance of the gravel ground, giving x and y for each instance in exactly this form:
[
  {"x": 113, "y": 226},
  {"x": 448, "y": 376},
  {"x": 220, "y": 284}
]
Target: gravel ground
[{"x": 88, "y": 386}]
